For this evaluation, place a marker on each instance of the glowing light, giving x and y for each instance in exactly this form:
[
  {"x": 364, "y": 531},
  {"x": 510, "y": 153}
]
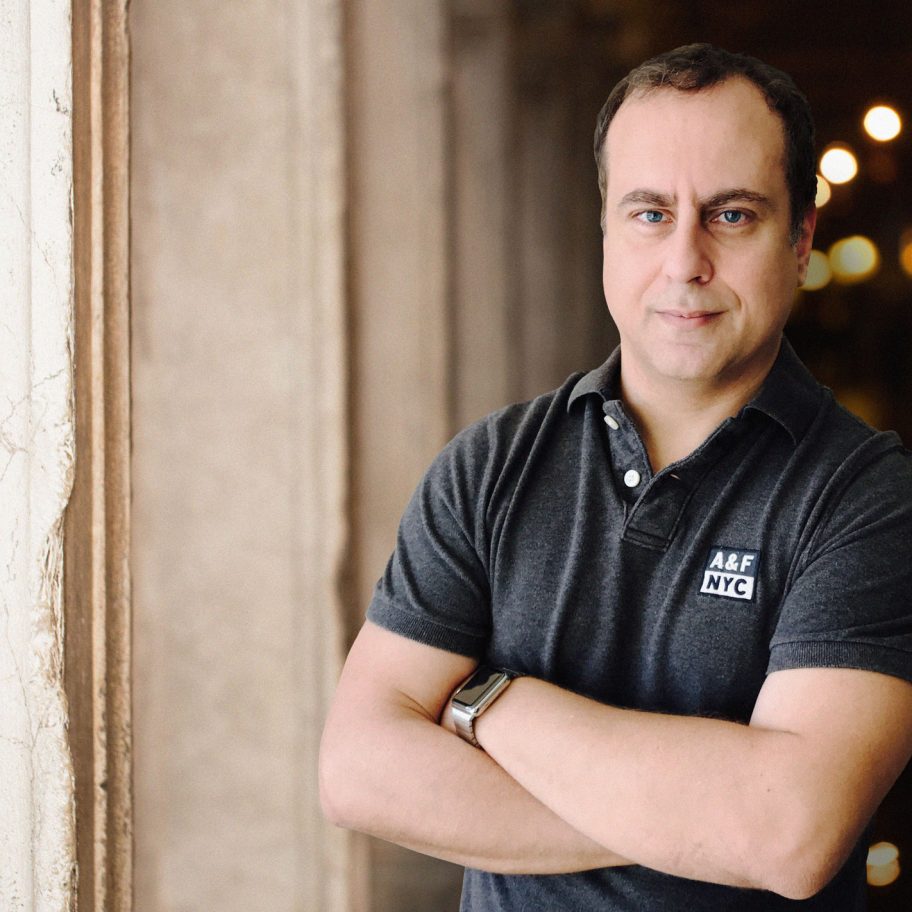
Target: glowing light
[
  {"x": 883, "y": 864},
  {"x": 905, "y": 252},
  {"x": 823, "y": 192},
  {"x": 863, "y": 403},
  {"x": 854, "y": 259},
  {"x": 882, "y": 123},
  {"x": 819, "y": 272},
  {"x": 882, "y": 853},
  {"x": 838, "y": 165}
]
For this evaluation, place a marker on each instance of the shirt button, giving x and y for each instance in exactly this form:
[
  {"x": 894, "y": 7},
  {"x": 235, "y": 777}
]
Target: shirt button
[
  {"x": 611, "y": 423},
  {"x": 631, "y": 478}
]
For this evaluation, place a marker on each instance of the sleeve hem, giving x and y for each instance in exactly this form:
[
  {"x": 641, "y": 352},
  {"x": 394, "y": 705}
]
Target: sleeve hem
[
  {"x": 841, "y": 654},
  {"x": 400, "y": 620}
]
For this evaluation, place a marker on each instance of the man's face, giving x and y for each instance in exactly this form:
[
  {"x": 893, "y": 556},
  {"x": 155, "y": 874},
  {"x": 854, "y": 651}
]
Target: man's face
[{"x": 699, "y": 271}]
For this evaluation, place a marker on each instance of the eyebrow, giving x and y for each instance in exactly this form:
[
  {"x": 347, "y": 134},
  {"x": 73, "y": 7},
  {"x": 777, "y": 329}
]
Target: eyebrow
[
  {"x": 723, "y": 197},
  {"x": 737, "y": 195},
  {"x": 647, "y": 197}
]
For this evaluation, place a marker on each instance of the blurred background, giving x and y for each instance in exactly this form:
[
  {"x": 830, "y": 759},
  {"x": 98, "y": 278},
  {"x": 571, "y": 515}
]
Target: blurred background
[{"x": 356, "y": 227}]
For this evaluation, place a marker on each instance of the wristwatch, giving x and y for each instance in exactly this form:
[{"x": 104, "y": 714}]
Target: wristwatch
[{"x": 475, "y": 695}]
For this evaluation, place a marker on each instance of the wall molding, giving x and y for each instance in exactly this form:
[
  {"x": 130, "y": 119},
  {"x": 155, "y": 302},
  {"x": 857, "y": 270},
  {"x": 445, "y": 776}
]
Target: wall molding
[{"x": 97, "y": 531}]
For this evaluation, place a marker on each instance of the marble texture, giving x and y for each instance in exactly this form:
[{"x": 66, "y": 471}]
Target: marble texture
[{"x": 36, "y": 453}]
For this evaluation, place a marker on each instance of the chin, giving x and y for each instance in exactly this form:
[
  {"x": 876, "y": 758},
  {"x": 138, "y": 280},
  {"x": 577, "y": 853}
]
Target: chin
[{"x": 688, "y": 369}]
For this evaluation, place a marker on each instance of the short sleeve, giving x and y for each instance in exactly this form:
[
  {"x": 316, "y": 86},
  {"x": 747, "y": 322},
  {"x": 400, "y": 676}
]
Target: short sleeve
[
  {"x": 435, "y": 588},
  {"x": 850, "y": 605}
]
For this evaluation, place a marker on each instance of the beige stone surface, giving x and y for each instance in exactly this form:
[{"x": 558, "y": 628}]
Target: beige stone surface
[
  {"x": 483, "y": 210},
  {"x": 399, "y": 246},
  {"x": 37, "y": 850},
  {"x": 404, "y": 398},
  {"x": 231, "y": 646}
]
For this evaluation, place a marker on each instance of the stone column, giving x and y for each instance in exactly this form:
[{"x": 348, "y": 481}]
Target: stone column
[
  {"x": 483, "y": 166},
  {"x": 402, "y": 405},
  {"x": 562, "y": 324},
  {"x": 37, "y": 852},
  {"x": 403, "y": 399},
  {"x": 240, "y": 450}
]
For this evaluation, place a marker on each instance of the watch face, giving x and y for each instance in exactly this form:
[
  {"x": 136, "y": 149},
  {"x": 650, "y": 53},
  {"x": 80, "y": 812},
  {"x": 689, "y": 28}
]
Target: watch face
[{"x": 480, "y": 682}]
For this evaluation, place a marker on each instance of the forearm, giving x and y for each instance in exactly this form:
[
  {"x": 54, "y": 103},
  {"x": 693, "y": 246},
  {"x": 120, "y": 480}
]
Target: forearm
[
  {"x": 698, "y": 798},
  {"x": 406, "y": 780}
]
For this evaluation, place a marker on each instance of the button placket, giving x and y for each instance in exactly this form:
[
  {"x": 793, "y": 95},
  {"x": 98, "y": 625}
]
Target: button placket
[{"x": 627, "y": 455}]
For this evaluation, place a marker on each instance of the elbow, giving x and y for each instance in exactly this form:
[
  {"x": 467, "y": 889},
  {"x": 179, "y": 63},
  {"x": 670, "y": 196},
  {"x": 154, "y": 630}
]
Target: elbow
[
  {"x": 801, "y": 878},
  {"x": 337, "y": 800},
  {"x": 812, "y": 866},
  {"x": 802, "y": 859},
  {"x": 798, "y": 881},
  {"x": 330, "y": 804}
]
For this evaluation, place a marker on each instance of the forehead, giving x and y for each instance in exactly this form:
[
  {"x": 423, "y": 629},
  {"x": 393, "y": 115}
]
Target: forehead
[{"x": 725, "y": 136}]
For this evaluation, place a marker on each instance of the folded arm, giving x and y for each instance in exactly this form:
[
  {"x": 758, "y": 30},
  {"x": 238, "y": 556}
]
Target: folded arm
[
  {"x": 565, "y": 783},
  {"x": 777, "y": 805},
  {"x": 389, "y": 769}
]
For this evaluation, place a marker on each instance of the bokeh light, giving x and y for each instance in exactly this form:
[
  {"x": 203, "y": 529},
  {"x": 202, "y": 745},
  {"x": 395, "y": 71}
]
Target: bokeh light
[
  {"x": 819, "y": 272},
  {"x": 823, "y": 192},
  {"x": 882, "y": 123},
  {"x": 838, "y": 164},
  {"x": 854, "y": 259},
  {"x": 867, "y": 404},
  {"x": 905, "y": 252},
  {"x": 883, "y": 864}
]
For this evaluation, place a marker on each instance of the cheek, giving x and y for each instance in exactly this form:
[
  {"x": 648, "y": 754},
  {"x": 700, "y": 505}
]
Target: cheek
[
  {"x": 621, "y": 293},
  {"x": 771, "y": 278},
  {"x": 626, "y": 272},
  {"x": 768, "y": 299}
]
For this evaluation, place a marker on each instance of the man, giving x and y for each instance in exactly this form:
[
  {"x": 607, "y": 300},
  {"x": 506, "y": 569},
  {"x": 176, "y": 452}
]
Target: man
[{"x": 696, "y": 562}]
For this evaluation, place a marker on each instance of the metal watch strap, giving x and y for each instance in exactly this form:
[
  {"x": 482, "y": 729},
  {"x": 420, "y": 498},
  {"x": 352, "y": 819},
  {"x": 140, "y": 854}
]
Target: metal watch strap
[{"x": 493, "y": 682}]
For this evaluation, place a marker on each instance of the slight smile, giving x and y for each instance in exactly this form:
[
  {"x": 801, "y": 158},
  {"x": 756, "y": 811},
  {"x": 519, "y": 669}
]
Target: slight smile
[{"x": 691, "y": 319}]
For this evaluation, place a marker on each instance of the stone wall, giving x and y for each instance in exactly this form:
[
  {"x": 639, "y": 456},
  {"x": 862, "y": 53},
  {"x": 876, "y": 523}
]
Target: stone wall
[{"x": 37, "y": 845}]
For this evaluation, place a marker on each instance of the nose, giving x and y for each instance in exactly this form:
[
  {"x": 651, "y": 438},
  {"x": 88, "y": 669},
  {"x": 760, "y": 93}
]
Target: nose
[{"x": 687, "y": 255}]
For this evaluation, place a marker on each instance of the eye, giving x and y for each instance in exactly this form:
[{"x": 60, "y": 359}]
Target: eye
[
  {"x": 651, "y": 216},
  {"x": 732, "y": 217}
]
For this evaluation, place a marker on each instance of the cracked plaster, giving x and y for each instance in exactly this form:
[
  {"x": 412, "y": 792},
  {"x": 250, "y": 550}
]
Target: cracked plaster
[{"x": 37, "y": 852}]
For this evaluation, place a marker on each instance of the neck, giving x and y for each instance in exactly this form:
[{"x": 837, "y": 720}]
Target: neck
[{"x": 675, "y": 417}]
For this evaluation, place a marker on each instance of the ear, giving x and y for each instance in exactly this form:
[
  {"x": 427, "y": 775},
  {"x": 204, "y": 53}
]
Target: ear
[{"x": 805, "y": 242}]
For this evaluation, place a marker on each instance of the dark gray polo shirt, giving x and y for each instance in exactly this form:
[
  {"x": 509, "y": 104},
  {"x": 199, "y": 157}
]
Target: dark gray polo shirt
[{"x": 541, "y": 540}]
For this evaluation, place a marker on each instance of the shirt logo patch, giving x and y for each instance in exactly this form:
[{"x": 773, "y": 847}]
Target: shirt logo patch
[{"x": 731, "y": 573}]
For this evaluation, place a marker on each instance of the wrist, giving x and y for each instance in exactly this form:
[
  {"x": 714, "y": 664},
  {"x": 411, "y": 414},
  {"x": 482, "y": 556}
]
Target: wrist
[
  {"x": 498, "y": 715},
  {"x": 474, "y": 697}
]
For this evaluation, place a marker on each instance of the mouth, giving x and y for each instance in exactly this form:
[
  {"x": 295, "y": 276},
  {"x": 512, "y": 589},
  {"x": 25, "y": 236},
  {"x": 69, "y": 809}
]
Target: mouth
[{"x": 689, "y": 319}]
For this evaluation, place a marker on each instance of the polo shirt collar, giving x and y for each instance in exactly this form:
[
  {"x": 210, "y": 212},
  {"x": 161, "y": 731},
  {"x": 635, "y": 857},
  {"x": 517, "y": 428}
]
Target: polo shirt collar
[
  {"x": 602, "y": 381},
  {"x": 790, "y": 395}
]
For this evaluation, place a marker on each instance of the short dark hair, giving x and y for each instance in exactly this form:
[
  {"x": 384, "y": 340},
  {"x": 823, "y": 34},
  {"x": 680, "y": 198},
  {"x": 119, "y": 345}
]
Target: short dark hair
[{"x": 700, "y": 66}]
